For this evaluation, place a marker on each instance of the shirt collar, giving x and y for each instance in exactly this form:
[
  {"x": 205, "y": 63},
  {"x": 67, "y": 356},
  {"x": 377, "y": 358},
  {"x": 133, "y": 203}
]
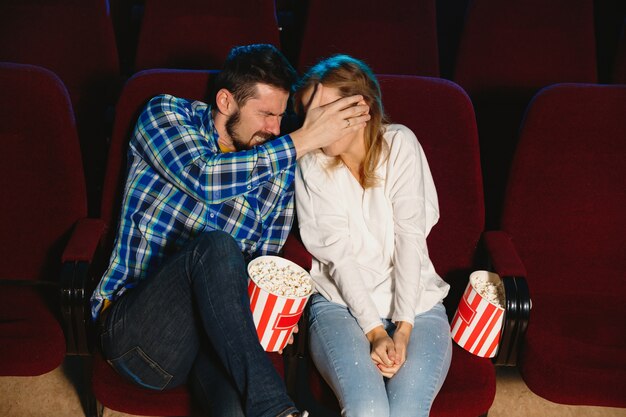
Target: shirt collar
[{"x": 210, "y": 127}]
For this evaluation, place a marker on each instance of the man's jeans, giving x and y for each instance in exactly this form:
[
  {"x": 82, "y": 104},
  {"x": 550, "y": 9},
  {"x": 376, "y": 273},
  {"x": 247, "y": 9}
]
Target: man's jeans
[{"x": 191, "y": 322}]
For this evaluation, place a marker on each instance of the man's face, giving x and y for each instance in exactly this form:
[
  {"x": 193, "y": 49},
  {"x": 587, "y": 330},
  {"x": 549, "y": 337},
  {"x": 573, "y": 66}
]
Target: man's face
[{"x": 258, "y": 120}]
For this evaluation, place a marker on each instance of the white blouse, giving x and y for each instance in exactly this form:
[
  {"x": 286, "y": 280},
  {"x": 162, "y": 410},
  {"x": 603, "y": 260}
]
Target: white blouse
[{"x": 369, "y": 246}]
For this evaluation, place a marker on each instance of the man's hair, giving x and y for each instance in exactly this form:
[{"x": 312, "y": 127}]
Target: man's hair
[{"x": 248, "y": 65}]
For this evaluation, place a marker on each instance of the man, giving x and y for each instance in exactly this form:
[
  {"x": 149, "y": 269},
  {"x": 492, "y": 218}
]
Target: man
[{"x": 208, "y": 189}]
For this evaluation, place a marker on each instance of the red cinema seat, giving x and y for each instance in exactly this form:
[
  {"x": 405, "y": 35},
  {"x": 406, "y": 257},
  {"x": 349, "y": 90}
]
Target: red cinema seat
[
  {"x": 563, "y": 230},
  {"x": 397, "y": 37},
  {"x": 508, "y": 51},
  {"x": 75, "y": 40},
  {"x": 198, "y": 34},
  {"x": 43, "y": 220}
]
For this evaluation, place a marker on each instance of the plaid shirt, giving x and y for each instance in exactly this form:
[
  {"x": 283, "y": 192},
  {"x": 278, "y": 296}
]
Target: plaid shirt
[{"x": 180, "y": 184}]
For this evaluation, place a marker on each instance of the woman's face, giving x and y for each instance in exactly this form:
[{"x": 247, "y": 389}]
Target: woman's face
[{"x": 347, "y": 142}]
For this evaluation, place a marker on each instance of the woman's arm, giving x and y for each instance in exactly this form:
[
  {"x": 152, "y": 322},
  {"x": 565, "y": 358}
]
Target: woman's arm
[
  {"x": 324, "y": 229},
  {"x": 415, "y": 211}
]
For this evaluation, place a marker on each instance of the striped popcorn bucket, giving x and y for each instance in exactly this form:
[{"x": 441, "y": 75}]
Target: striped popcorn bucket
[
  {"x": 275, "y": 315},
  {"x": 477, "y": 323}
]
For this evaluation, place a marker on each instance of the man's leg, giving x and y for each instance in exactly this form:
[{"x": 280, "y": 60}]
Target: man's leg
[
  {"x": 211, "y": 385},
  {"x": 152, "y": 332}
]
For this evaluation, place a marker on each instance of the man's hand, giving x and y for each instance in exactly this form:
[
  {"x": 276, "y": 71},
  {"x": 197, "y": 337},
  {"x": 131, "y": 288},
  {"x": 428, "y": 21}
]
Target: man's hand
[
  {"x": 290, "y": 341},
  {"x": 325, "y": 124}
]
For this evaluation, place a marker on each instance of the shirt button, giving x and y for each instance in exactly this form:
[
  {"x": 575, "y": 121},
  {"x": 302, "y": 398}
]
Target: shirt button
[
  {"x": 249, "y": 187},
  {"x": 211, "y": 215}
]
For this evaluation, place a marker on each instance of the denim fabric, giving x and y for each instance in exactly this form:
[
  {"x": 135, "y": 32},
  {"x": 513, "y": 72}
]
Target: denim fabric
[
  {"x": 191, "y": 322},
  {"x": 341, "y": 353}
]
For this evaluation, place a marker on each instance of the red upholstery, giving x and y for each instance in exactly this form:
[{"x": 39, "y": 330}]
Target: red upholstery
[
  {"x": 564, "y": 210},
  {"x": 508, "y": 50},
  {"x": 198, "y": 34},
  {"x": 109, "y": 388},
  {"x": 75, "y": 40},
  {"x": 396, "y": 37},
  {"x": 44, "y": 195},
  {"x": 525, "y": 45},
  {"x": 117, "y": 393},
  {"x": 441, "y": 116}
]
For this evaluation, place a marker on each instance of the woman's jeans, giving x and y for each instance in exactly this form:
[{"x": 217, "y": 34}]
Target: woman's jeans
[
  {"x": 341, "y": 353},
  {"x": 191, "y": 323}
]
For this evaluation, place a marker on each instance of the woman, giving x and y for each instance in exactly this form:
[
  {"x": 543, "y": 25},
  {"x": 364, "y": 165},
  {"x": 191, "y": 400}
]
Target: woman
[{"x": 379, "y": 333}]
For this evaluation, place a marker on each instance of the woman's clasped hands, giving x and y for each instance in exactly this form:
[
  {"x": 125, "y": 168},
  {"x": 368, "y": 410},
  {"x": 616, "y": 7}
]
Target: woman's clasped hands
[{"x": 389, "y": 353}]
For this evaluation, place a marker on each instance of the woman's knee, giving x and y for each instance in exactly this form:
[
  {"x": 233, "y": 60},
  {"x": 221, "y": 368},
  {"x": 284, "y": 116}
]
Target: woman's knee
[{"x": 367, "y": 408}]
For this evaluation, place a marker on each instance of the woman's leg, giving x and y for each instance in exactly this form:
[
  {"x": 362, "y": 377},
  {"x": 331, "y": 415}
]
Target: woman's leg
[
  {"x": 413, "y": 388},
  {"x": 341, "y": 353}
]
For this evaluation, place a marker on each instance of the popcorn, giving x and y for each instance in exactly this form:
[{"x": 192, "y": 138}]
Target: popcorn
[
  {"x": 491, "y": 291},
  {"x": 279, "y": 290},
  {"x": 284, "y": 280},
  {"x": 477, "y": 323}
]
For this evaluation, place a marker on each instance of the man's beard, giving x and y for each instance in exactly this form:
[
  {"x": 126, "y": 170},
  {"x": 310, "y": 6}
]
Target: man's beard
[{"x": 231, "y": 128}]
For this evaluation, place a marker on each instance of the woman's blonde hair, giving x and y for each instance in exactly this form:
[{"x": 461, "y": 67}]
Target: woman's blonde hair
[{"x": 351, "y": 76}]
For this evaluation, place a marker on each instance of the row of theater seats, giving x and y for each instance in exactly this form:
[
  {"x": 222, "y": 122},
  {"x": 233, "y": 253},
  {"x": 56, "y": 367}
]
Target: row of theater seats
[
  {"x": 561, "y": 236},
  {"x": 506, "y": 52}
]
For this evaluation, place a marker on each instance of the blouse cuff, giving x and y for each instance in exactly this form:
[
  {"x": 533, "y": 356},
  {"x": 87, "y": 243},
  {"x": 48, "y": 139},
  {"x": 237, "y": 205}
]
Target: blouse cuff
[
  {"x": 372, "y": 326},
  {"x": 407, "y": 319}
]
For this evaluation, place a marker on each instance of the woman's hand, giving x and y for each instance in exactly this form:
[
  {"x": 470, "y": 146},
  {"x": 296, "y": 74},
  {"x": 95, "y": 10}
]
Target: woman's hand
[
  {"x": 383, "y": 351},
  {"x": 401, "y": 338}
]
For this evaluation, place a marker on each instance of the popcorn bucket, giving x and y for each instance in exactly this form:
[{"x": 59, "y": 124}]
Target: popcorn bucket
[
  {"x": 278, "y": 290},
  {"x": 477, "y": 323}
]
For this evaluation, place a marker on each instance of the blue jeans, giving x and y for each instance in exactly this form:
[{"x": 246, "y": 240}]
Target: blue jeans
[
  {"x": 191, "y": 323},
  {"x": 341, "y": 353}
]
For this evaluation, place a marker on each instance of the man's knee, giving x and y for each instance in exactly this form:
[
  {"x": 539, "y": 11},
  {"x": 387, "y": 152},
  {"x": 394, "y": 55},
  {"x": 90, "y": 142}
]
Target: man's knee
[{"x": 215, "y": 244}]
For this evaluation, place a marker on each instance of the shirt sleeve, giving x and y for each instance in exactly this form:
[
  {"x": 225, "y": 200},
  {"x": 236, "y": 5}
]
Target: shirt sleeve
[
  {"x": 278, "y": 224},
  {"x": 325, "y": 234},
  {"x": 415, "y": 211},
  {"x": 169, "y": 136}
]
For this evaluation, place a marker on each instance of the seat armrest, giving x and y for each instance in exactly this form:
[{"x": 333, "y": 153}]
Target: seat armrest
[
  {"x": 81, "y": 261},
  {"x": 505, "y": 261},
  {"x": 502, "y": 254},
  {"x": 85, "y": 239}
]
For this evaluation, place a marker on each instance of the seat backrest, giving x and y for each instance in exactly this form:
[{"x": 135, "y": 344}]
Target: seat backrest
[
  {"x": 526, "y": 44},
  {"x": 75, "y": 40},
  {"x": 396, "y": 37},
  {"x": 41, "y": 173},
  {"x": 566, "y": 199},
  {"x": 198, "y": 34},
  {"x": 441, "y": 116},
  {"x": 139, "y": 89}
]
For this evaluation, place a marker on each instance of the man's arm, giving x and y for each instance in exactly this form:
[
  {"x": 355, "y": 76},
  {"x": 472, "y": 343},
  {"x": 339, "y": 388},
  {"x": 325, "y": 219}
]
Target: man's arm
[
  {"x": 170, "y": 140},
  {"x": 276, "y": 228},
  {"x": 323, "y": 125}
]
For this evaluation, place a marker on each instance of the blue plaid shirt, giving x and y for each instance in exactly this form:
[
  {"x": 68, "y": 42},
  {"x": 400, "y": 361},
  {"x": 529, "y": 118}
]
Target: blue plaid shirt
[{"x": 180, "y": 184}]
